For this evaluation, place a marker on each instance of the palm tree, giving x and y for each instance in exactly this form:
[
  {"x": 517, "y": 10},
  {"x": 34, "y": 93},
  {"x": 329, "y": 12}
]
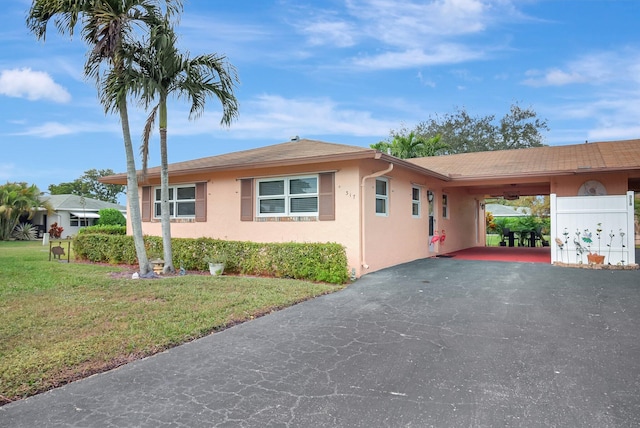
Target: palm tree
[
  {"x": 406, "y": 147},
  {"x": 162, "y": 71},
  {"x": 108, "y": 24},
  {"x": 432, "y": 146},
  {"x": 17, "y": 200}
]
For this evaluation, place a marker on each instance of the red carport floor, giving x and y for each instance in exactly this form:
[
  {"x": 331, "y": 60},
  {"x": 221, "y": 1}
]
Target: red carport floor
[{"x": 505, "y": 254}]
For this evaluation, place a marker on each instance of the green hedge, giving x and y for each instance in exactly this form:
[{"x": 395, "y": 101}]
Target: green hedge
[
  {"x": 324, "y": 262},
  {"x": 104, "y": 229}
]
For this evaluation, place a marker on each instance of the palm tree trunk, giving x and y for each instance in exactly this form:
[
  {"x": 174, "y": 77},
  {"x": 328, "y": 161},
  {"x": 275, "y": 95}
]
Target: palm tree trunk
[
  {"x": 132, "y": 192},
  {"x": 165, "y": 216}
]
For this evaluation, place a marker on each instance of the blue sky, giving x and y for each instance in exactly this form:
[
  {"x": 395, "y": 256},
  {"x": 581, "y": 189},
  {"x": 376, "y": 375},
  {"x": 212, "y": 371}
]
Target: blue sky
[{"x": 343, "y": 71}]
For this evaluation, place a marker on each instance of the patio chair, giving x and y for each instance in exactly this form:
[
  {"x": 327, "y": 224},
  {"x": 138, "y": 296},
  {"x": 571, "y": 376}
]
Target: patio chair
[{"x": 510, "y": 236}]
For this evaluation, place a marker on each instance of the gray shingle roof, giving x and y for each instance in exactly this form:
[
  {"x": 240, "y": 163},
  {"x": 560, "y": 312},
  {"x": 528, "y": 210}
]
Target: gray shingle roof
[{"x": 74, "y": 203}]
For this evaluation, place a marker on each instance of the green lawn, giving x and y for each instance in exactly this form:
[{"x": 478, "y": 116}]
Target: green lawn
[{"x": 63, "y": 321}]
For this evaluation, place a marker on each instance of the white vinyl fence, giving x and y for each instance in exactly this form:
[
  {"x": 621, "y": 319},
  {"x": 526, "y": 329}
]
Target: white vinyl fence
[{"x": 606, "y": 221}]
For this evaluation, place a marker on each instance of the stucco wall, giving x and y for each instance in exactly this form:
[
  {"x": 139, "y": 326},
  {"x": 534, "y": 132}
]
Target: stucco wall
[
  {"x": 398, "y": 237},
  {"x": 461, "y": 225},
  {"x": 615, "y": 184},
  {"x": 386, "y": 240},
  {"x": 223, "y": 212}
]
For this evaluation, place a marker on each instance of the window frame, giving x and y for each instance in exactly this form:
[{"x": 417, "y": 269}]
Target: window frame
[
  {"x": 416, "y": 203},
  {"x": 78, "y": 221},
  {"x": 445, "y": 205},
  {"x": 174, "y": 202},
  {"x": 287, "y": 197},
  {"x": 382, "y": 197}
]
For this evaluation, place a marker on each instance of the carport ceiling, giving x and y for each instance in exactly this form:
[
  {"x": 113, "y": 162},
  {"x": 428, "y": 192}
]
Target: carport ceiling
[
  {"x": 511, "y": 190},
  {"x": 634, "y": 184}
]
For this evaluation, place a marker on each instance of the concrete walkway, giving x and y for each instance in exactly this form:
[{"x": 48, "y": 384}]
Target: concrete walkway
[{"x": 436, "y": 342}]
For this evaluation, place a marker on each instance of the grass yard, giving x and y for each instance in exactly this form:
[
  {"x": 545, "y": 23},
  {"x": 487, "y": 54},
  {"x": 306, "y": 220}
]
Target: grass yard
[{"x": 60, "y": 321}]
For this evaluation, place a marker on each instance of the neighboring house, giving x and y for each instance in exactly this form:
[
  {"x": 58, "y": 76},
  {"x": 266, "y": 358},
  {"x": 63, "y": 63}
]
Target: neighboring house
[
  {"x": 382, "y": 209},
  {"x": 499, "y": 210},
  {"x": 72, "y": 212}
]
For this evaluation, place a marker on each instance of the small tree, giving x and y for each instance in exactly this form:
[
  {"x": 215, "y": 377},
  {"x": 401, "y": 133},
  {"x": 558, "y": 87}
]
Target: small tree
[
  {"x": 89, "y": 186},
  {"x": 16, "y": 200},
  {"x": 111, "y": 217},
  {"x": 499, "y": 225}
]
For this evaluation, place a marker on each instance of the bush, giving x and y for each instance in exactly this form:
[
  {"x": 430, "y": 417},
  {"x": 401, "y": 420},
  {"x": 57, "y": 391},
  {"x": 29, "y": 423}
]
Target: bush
[
  {"x": 24, "y": 232},
  {"x": 111, "y": 217},
  {"x": 55, "y": 231},
  {"x": 325, "y": 262},
  {"x": 106, "y": 230}
]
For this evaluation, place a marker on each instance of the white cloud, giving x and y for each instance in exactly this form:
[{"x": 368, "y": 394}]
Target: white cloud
[
  {"x": 397, "y": 34},
  {"x": 613, "y": 133},
  {"x": 425, "y": 82},
  {"x": 553, "y": 77},
  {"x": 595, "y": 69},
  {"x": 442, "y": 54},
  {"x": 411, "y": 23},
  {"x": 33, "y": 85},
  {"x": 313, "y": 116},
  {"x": 57, "y": 129},
  {"x": 48, "y": 130},
  {"x": 338, "y": 33},
  {"x": 274, "y": 115}
]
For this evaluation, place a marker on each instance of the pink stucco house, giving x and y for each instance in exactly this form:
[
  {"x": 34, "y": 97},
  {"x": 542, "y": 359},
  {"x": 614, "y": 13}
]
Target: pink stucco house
[{"x": 384, "y": 210}]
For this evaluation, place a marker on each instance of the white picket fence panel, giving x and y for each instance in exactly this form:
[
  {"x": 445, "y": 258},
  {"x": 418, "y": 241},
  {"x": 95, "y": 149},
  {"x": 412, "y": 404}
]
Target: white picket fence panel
[{"x": 614, "y": 214}]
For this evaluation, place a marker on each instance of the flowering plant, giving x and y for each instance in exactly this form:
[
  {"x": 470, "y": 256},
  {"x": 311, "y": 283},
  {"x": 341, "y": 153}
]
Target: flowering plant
[{"x": 55, "y": 231}]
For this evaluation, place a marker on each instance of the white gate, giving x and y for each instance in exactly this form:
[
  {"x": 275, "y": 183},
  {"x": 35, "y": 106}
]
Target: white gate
[{"x": 593, "y": 224}]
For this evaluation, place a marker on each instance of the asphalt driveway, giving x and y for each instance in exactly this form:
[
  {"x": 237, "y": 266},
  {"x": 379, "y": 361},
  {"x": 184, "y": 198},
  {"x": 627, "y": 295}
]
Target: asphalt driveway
[{"x": 436, "y": 342}]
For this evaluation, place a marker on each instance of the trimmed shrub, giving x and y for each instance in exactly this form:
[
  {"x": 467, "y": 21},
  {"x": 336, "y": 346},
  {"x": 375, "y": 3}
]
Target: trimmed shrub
[
  {"x": 324, "y": 262},
  {"x": 104, "y": 229},
  {"x": 111, "y": 217}
]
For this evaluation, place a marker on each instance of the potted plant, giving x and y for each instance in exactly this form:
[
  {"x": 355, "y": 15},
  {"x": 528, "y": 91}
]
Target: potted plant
[
  {"x": 216, "y": 263},
  {"x": 593, "y": 258}
]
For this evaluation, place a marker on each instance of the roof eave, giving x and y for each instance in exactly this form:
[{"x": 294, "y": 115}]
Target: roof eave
[
  {"x": 413, "y": 167},
  {"x": 458, "y": 179},
  {"x": 364, "y": 154}
]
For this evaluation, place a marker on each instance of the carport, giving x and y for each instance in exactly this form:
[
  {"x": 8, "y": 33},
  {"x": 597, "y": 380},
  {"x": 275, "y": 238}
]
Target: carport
[{"x": 591, "y": 186}]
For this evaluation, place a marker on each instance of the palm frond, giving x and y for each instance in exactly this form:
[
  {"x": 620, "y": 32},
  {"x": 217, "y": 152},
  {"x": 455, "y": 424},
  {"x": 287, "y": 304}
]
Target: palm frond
[{"x": 146, "y": 136}]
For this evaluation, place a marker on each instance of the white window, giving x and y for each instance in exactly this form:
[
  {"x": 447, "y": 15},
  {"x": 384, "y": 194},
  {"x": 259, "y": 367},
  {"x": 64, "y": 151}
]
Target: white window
[
  {"x": 445, "y": 206},
  {"x": 182, "y": 201},
  {"x": 382, "y": 196},
  {"x": 77, "y": 221},
  {"x": 415, "y": 202},
  {"x": 287, "y": 196}
]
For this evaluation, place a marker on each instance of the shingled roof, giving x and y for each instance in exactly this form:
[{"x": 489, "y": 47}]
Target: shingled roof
[
  {"x": 297, "y": 152},
  {"x": 540, "y": 161},
  {"x": 76, "y": 203}
]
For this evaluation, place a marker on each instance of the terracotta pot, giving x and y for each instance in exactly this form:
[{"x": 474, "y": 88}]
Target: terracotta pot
[{"x": 595, "y": 259}]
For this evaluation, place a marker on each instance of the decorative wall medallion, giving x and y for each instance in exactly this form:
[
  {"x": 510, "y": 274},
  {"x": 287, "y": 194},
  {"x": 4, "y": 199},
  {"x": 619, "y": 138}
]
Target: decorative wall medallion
[{"x": 592, "y": 188}]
